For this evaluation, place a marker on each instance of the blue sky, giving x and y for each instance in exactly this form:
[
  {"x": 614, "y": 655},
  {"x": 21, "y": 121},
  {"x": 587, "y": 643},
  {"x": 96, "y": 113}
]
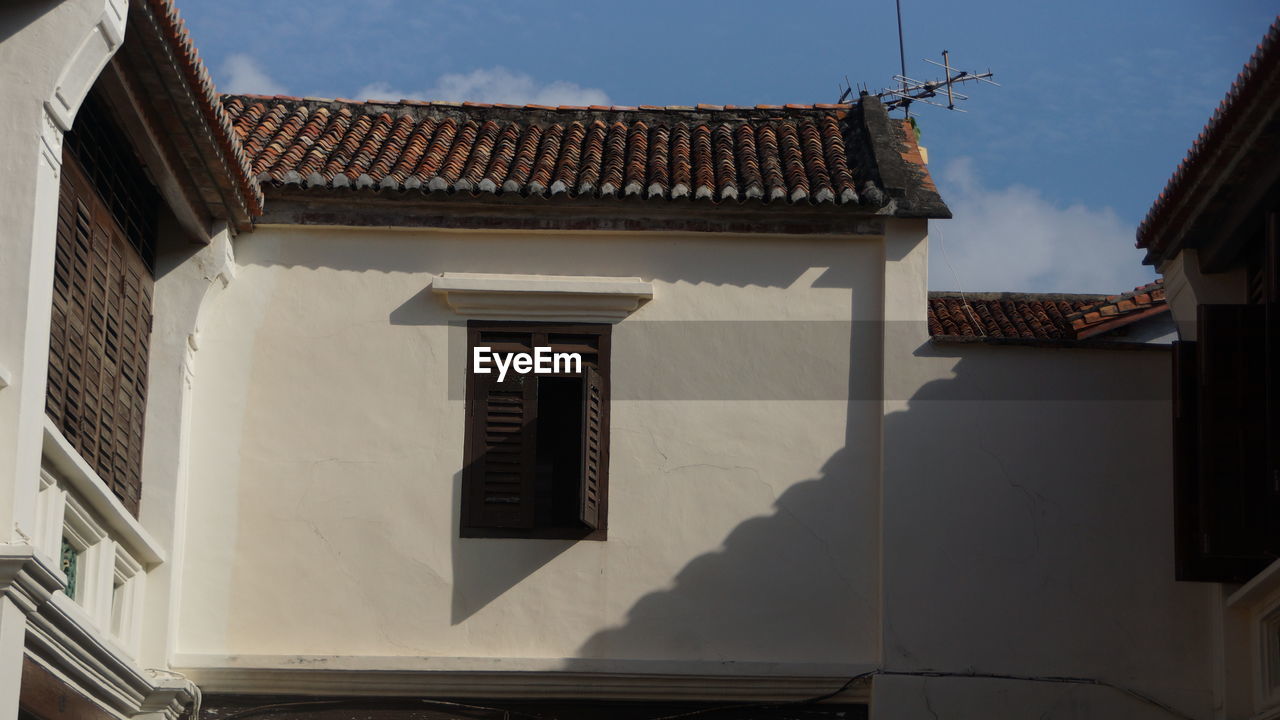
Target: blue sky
[{"x": 1048, "y": 175}]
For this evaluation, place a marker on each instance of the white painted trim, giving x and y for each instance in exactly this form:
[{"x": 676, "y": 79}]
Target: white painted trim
[
  {"x": 92, "y": 544},
  {"x": 51, "y": 502},
  {"x": 62, "y": 636},
  {"x": 519, "y": 677},
  {"x": 84, "y": 481},
  {"x": 543, "y": 297},
  {"x": 125, "y": 595},
  {"x": 26, "y": 578},
  {"x": 95, "y": 50}
]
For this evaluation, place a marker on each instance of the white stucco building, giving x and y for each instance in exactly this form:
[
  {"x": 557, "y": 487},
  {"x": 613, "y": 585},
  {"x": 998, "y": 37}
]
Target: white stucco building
[{"x": 245, "y": 470}]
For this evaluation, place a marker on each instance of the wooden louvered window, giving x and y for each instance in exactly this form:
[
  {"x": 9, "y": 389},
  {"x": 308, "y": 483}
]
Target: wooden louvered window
[
  {"x": 537, "y": 445},
  {"x": 1227, "y": 430},
  {"x": 102, "y": 289}
]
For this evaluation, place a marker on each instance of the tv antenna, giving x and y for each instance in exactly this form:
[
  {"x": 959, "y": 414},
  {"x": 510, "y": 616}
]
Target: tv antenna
[{"x": 910, "y": 90}]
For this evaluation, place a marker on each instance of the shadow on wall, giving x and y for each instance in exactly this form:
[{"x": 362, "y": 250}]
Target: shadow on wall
[
  {"x": 705, "y": 258},
  {"x": 1007, "y": 548},
  {"x": 484, "y": 569},
  {"x": 18, "y": 14},
  {"x": 782, "y": 587},
  {"x": 1027, "y": 530},
  {"x": 795, "y": 586}
]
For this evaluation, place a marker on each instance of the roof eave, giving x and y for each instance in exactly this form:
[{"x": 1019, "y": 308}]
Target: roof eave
[
  {"x": 182, "y": 103},
  {"x": 1198, "y": 194}
]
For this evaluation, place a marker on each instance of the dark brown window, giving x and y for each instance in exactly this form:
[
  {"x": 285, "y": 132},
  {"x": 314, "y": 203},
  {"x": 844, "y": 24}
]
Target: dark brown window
[
  {"x": 1226, "y": 430},
  {"x": 537, "y": 445},
  {"x": 102, "y": 288}
]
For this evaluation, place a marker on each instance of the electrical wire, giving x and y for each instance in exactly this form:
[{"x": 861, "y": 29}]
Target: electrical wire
[
  {"x": 1063, "y": 680},
  {"x": 973, "y": 317}
]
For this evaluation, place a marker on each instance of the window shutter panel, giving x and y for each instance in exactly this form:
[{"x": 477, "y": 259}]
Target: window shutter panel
[
  {"x": 1226, "y": 499},
  {"x": 1271, "y": 358},
  {"x": 500, "y": 480},
  {"x": 593, "y": 424},
  {"x": 99, "y": 336},
  {"x": 1186, "y": 460}
]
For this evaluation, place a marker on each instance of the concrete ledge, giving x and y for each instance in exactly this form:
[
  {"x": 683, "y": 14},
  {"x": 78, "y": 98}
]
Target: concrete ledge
[
  {"x": 543, "y": 297},
  {"x": 523, "y": 678},
  {"x": 121, "y": 524}
]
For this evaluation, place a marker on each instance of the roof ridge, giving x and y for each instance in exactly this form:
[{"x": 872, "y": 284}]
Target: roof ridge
[{"x": 409, "y": 102}]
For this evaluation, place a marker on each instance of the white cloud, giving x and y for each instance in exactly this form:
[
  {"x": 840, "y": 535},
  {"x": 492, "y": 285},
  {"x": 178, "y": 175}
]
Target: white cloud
[
  {"x": 491, "y": 85},
  {"x": 1014, "y": 239},
  {"x": 242, "y": 74}
]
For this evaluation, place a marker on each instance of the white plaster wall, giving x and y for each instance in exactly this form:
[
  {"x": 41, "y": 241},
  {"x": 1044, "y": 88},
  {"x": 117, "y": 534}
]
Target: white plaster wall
[
  {"x": 326, "y": 456},
  {"x": 38, "y": 43},
  {"x": 1028, "y": 530},
  {"x": 1027, "y": 520}
]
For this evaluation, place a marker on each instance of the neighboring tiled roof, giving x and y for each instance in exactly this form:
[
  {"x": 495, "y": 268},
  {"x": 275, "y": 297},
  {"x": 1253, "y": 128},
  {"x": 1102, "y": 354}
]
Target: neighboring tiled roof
[
  {"x": 177, "y": 84},
  {"x": 1255, "y": 83},
  {"x": 810, "y": 155},
  {"x": 1038, "y": 316},
  {"x": 1119, "y": 310}
]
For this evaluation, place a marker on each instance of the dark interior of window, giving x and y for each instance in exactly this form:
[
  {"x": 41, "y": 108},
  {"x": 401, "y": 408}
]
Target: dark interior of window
[
  {"x": 559, "y": 442},
  {"x": 107, "y": 158}
]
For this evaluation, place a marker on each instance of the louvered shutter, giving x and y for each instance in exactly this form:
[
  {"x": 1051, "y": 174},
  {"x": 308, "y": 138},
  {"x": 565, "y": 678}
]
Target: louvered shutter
[
  {"x": 1226, "y": 502},
  {"x": 99, "y": 336},
  {"x": 500, "y": 471},
  {"x": 593, "y": 426}
]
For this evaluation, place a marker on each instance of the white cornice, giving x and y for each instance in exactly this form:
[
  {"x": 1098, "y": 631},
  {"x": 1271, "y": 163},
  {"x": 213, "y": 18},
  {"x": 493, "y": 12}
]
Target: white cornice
[
  {"x": 62, "y": 637},
  {"x": 25, "y": 578},
  {"x": 519, "y": 678},
  {"x": 543, "y": 297}
]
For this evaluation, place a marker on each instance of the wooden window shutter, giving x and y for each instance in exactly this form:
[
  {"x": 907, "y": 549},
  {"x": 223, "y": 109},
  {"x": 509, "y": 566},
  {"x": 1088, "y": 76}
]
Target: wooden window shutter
[
  {"x": 593, "y": 425},
  {"x": 99, "y": 336},
  {"x": 499, "y": 475},
  {"x": 1226, "y": 500}
]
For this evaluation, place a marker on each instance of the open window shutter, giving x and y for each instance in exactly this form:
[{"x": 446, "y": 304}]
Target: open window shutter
[
  {"x": 500, "y": 470},
  {"x": 1226, "y": 499},
  {"x": 593, "y": 424}
]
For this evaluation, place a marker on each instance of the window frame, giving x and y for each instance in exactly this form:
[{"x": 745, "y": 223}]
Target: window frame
[{"x": 471, "y": 446}]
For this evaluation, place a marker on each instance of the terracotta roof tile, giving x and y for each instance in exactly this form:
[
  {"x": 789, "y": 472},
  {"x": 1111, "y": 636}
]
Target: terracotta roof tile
[
  {"x": 1038, "y": 316},
  {"x": 797, "y": 154}
]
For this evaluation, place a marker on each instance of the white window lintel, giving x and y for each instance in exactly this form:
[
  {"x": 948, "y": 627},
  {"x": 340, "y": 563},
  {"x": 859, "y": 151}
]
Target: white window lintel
[{"x": 543, "y": 297}]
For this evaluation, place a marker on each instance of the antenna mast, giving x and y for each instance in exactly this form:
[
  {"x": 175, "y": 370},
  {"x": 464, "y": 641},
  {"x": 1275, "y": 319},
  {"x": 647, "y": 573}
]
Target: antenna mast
[
  {"x": 910, "y": 90},
  {"x": 902, "y": 58}
]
